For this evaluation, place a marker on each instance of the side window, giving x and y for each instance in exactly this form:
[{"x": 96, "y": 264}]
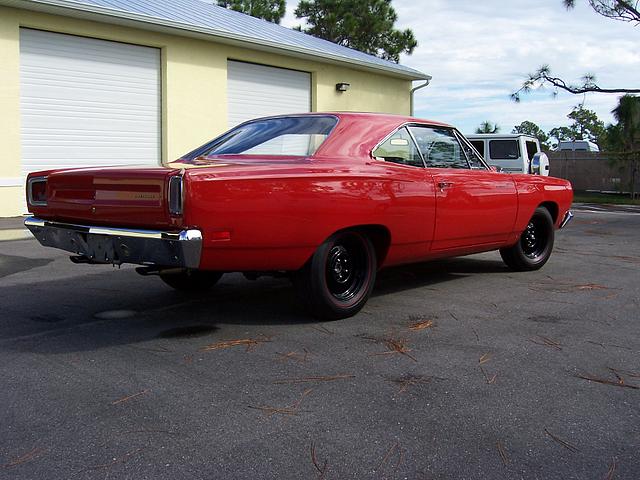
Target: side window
[
  {"x": 478, "y": 145},
  {"x": 504, "y": 149},
  {"x": 532, "y": 148},
  {"x": 475, "y": 160},
  {"x": 399, "y": 148},
  {"x": 439, "y": 147}
]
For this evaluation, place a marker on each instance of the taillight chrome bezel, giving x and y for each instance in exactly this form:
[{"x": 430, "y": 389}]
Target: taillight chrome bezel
[
  {"x": 175, "y": 196},
  {"x": 30, "y": 182}
]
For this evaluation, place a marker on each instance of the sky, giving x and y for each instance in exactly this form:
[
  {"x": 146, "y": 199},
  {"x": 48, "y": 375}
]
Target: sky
[{"x": 479, "y": 52}]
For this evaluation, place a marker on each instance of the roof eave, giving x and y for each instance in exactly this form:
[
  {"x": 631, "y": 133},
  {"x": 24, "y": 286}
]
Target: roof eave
[{"x": 117, "y": 17}]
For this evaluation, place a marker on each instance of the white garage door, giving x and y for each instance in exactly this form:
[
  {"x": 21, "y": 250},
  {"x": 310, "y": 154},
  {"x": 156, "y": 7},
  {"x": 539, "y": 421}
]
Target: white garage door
[
  {"x": 259, "y": 91},
  {"x": 87, "y": 102}
]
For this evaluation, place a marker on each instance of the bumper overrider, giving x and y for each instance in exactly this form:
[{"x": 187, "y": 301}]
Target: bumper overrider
[{"x": 120, "y": 245}]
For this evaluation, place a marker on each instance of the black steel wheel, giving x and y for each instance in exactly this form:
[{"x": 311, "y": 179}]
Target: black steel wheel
[
  {"x": 188, "y": 280},
  {"x": 534, "y": 246},
  {"x": 339, "y": 278}
]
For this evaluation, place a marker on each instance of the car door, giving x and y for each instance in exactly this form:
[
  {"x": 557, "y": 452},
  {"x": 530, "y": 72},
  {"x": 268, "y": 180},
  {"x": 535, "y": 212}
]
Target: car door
[
  {"x": 410, "y": 209},
  {"x": 475, "y": 206}
]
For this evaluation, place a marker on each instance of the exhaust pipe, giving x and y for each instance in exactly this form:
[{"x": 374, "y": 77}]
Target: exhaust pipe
[{"x": 148, "y": 271}]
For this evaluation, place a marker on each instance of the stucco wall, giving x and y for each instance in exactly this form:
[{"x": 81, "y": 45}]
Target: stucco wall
[{"x": 194, "y": 79}]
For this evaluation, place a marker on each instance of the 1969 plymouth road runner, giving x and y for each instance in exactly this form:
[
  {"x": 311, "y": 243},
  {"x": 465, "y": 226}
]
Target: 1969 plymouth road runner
[{"x": 326, "y": 198}]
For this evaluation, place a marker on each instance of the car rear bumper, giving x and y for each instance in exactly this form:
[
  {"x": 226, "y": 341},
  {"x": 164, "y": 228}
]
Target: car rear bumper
[
  {"x": 120, "y": 245},
  {"x": 567, "y": 218}
]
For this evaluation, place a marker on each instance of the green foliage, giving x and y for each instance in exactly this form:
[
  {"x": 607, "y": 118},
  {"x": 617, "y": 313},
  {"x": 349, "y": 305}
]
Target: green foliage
[
  {"x": 530, "y": 128},
  {"x": 627, "y": 114},
  {"x": 270, "y": 10},
  {"x": 585, "y": 125},
  {"x": 624, "y": 137},
  {"x": 488, "y": 127},
  {"x": 562, "y": 134},
  {"x": 612, "y": 140},
  {"x": 365, "y": 25}
]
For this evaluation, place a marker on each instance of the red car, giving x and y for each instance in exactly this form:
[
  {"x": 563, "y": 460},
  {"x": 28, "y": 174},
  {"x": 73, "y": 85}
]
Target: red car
[{"x": 326, "y": 198}]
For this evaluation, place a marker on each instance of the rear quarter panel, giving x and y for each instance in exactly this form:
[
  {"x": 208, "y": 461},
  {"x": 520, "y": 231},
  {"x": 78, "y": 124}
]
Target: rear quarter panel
[
  {"x": 274, "y": 217},
  {"x": 536, "y": 190}
]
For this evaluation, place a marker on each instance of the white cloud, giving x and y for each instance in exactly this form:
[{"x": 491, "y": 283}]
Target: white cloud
[{"x": 478, "y": 52}]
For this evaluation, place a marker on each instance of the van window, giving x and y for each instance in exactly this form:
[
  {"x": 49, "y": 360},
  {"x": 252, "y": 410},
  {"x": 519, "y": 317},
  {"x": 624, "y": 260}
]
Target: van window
[
  {"x": 478, "y": 145},
  {"x": 532, "y": 148},
  {"x": 504, "y": 149}
]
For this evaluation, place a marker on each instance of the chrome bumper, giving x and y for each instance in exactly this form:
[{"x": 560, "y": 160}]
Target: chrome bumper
[
  {"x": 120, "y": 245},
  {"x": 567, "y": 218}
]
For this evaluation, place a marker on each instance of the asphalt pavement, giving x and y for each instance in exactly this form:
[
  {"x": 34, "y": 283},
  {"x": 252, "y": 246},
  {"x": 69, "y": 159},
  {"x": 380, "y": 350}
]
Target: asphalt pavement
[{"x": 455, "y": 369}]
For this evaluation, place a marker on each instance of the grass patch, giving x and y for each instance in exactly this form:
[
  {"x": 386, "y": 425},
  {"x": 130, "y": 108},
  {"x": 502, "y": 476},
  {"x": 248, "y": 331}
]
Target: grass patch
[{"x": 604, "y": 198}]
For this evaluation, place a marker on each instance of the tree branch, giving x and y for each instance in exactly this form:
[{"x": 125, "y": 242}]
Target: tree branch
[
  {"x": 623, "y": 10},
  {"x": 543, "y": 77}
]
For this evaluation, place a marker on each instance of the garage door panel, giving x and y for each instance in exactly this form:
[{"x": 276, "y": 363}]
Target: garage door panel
[
  {"x": 259, "y": 91},
  {"x": 74, "y": 121},
  {"x": 82, "y": 49},
  {"x": 87, "y": 102}
]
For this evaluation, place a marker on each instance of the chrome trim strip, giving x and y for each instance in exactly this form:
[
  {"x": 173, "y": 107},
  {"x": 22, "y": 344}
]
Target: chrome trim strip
[
  {"x": 30, "y": 199},
  {"x": 415, "y": 144},
  {"x": 567, "y": 218},
  {"x": 461, "y": 139},
  {"x": 124, "y": 232},
  {"x": 179, "y": 180},
  {"x": 464, "y": 140},
  {"x": 33, "y": 222}
]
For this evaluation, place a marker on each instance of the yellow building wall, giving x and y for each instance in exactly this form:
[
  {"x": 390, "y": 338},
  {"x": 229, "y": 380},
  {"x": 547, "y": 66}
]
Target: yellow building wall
[{"x": 194, "y": 84}]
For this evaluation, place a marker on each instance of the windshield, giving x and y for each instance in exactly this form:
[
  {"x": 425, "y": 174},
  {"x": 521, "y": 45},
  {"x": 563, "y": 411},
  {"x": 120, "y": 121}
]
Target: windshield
[{"x": 286, "y": 136}]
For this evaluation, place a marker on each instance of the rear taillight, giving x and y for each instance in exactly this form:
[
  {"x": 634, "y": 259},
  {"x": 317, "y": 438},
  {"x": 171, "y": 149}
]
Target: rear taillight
[
  {"x": 176, "y": 195},
  {"x": 37, "y": 191}
]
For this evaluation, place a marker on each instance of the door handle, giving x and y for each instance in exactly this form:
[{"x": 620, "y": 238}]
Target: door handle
[{"x": 443, "y": 185}]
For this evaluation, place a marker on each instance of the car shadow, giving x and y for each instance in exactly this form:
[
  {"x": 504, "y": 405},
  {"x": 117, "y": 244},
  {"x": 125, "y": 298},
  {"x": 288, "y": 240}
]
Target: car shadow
[
  {"x": 121, "y": 308},
  {"x": 419, "y": 275}
]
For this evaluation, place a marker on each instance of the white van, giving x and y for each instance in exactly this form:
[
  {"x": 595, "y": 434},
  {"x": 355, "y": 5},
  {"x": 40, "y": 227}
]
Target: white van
[
  {"x": 512, "y": 153},
  {"x": 578, "y": 145}
]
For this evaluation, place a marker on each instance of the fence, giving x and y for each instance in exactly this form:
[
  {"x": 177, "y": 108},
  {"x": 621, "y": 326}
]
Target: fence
[{"x": 601, "y": 172}]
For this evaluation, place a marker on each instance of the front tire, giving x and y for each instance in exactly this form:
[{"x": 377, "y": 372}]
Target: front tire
[
  {"x": 338, "y": 280},
  {"x": 534, "y": 245},
  {"x": 189, "y": 280}
]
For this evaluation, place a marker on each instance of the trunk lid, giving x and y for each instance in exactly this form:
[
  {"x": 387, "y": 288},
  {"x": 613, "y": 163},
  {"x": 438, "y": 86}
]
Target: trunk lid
[{"x": 118, "y": 196}]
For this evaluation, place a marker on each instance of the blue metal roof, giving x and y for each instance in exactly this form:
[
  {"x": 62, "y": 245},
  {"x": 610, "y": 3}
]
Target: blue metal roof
[{"x": 197, "y": 16}]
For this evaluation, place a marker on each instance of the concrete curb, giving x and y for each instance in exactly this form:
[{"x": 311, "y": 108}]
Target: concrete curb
[{"x": 15, "y": 234}]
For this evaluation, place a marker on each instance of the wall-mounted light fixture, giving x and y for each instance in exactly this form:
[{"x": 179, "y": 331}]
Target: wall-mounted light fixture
[{"x": 342, "y": 87}]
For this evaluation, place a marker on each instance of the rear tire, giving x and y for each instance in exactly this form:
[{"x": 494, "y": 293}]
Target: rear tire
[
  {"x": 534, "y": 245},
  {"x": 188, "y": 280},
  {"x": 338, "y": 280}
]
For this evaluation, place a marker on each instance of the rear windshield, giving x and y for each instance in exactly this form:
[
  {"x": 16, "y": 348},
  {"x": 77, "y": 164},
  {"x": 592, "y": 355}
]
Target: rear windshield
[{"x": 281, "y": 136}]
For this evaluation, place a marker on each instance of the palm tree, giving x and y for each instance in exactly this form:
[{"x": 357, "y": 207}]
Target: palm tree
[
  {"x": 626, "y": 134},
  {"x": 627, "y": 113}
]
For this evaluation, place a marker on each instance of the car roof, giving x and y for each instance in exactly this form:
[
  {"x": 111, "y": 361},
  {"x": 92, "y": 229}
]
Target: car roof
[
  {"x": 391, "y": 118},
  {"x": 388, "y": 118},
  {"x": 357, "y": 133},
  {"x": 498, "y": 136}
]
